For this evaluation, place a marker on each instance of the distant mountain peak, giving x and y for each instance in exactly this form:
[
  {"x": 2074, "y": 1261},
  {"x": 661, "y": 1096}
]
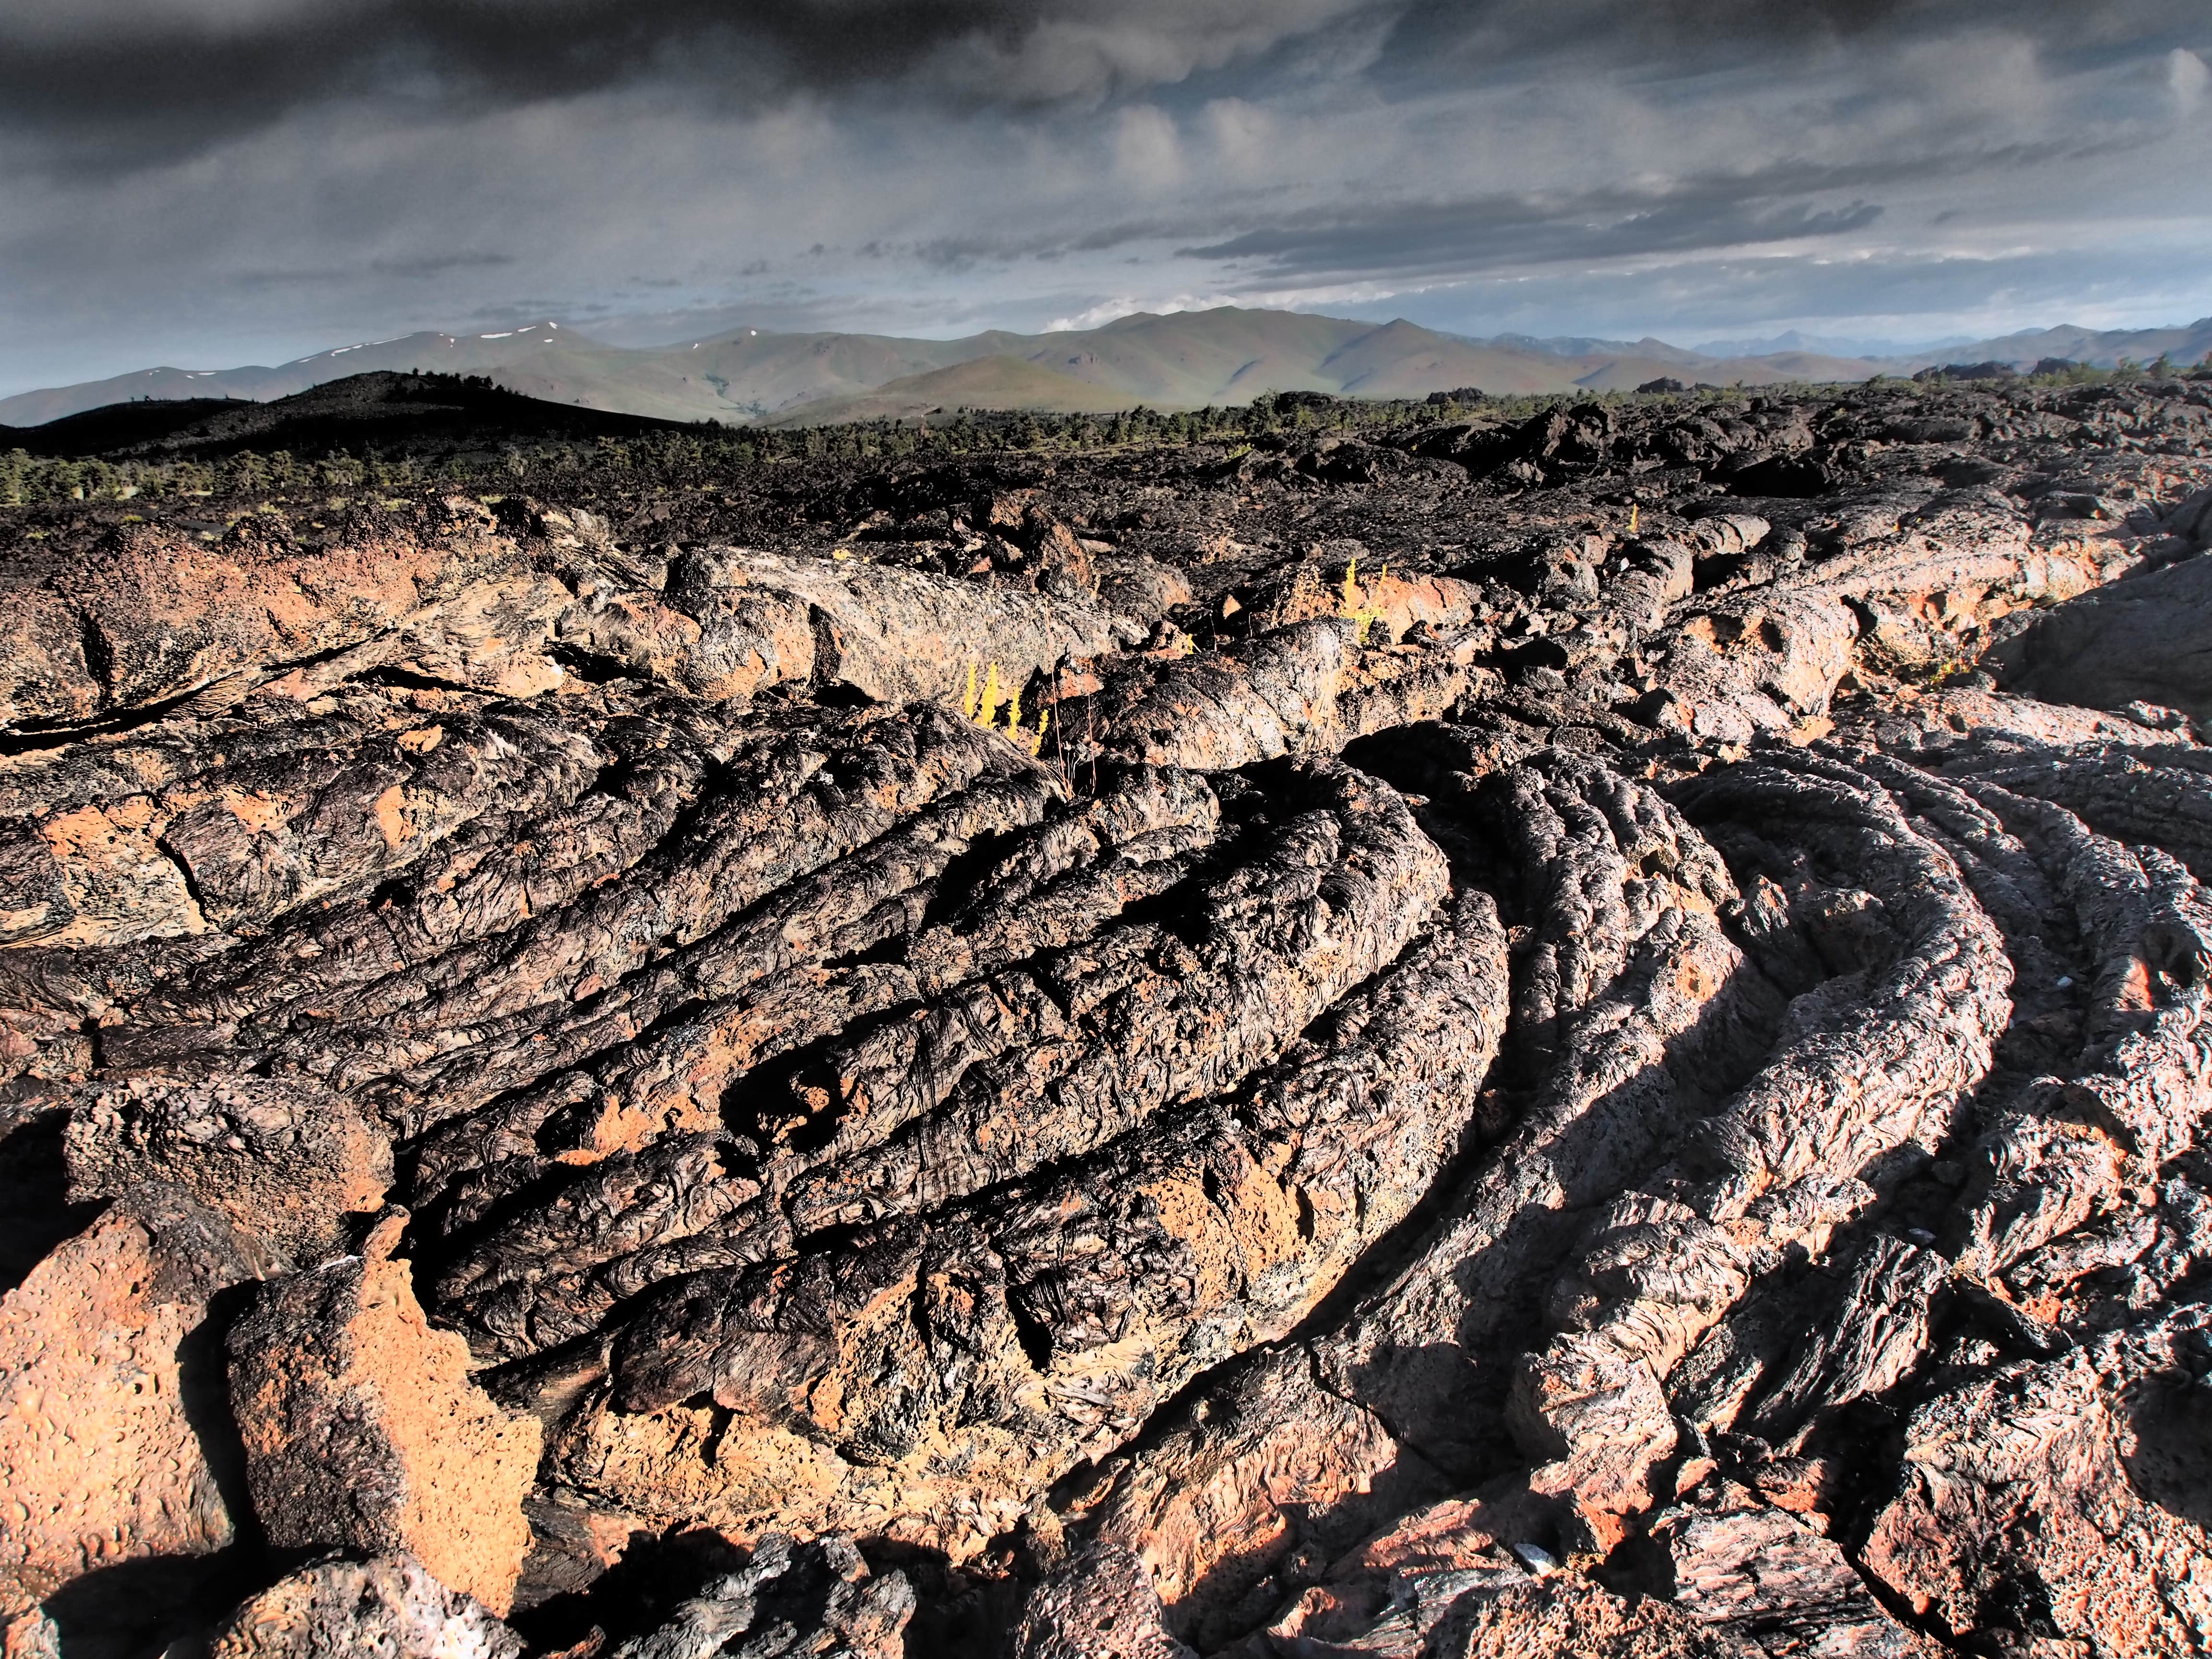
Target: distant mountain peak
[{"x": 1222, "y": 354}]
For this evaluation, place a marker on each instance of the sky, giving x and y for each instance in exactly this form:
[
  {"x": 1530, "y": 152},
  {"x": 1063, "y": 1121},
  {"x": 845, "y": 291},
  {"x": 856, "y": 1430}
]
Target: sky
[{"x": 206, "y": 183}]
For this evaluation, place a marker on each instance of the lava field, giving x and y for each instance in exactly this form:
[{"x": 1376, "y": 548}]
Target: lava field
[{"x": 1581, "y": 1032}]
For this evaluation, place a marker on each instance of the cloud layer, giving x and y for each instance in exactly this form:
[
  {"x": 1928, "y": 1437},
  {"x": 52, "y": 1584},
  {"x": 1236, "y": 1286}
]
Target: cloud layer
[{"x": 205, "y": 181}]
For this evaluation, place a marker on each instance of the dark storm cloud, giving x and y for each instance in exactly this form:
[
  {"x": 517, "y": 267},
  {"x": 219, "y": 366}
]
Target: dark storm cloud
[
  {"x": 437, "y": 264},
  {"x": 1789, "y": 203},
  {"x": 1709, "y": 296},
  {"x": 193, "y": 179},
  {"x": 422, "y": 267},
  {"x": 1453, "y": 238},
  {"x": 117, "y": 82},
  {"x": 124, "y": 81},
  {"x": 1507, "y": 40}
]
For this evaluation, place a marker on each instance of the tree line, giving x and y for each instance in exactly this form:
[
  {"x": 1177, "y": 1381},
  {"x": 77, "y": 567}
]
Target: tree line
[
  {"x": 686, "y": 455},
  {"x": 709, "y": 451}
]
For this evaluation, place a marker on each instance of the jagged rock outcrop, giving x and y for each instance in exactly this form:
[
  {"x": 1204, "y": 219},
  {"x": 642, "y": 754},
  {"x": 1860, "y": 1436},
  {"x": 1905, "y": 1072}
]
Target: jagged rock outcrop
[
  {"x": 287, "y": 1163},
  {"x": 1572, "y": 1033},
  {"x": 108, "y": 1393},
  {"x": 2014, "y": 1512},
  {"x": 31, "y": 1635},
  {"x": 2143, "y": 641},
  {"x": 1309, "y": 688},
  {"x": 1734, "y": 1560},
  {"x": 385, "y": 1604},
  {"x": 1566, "y": 1615},
  {"x": 1104, "y": 1605},
  {"x": 362, "y": 1428},
  {"x": 787, "y": 1599}
]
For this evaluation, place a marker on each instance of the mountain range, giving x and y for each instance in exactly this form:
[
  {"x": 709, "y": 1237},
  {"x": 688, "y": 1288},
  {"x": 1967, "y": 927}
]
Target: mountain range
[{"x": 1179, "y": 359}]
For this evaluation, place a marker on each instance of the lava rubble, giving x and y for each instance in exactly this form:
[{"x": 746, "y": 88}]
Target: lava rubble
[{"x": 1577, "y": 1035}]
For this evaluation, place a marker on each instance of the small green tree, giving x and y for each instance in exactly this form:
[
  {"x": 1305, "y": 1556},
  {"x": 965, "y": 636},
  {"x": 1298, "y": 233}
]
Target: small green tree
[{"x": 339, "y": 473}]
